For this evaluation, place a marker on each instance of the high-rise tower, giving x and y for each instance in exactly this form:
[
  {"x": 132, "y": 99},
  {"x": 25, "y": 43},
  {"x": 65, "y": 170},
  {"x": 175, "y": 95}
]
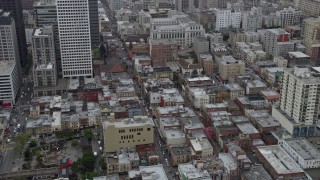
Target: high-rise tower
[
  {"x": 75, "y": 39},
  {"x": 15, "y": 7}
]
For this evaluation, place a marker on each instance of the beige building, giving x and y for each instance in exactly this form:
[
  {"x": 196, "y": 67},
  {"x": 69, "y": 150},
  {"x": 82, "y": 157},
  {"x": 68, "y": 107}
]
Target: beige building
[
  {"x": 229, "y": 66},
  {"x": 201, "y": 148},
  {"x": 235, "y": 90},
  {"x": 310, "y": 33},
  {"x": 180, "y": 155},
  {"x": 125, "y": 133}
]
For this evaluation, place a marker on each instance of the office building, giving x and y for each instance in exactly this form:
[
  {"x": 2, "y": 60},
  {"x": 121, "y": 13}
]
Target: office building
[
  {"x": 225, "y": 18},
  {"x": 178, "y": 27},
  {"x": 75, "y": 39},
  {"x": 125, "y": 133},
  {"x": 27, "y": 4},
  {"x": 45, "y": 14},
  {"x": 229, "y": 66},
  {"x": 15, "y": 7},
  {"x": 94, "y": 22},
  {"x": 252, "y": 20},
  {"x": 162, "y": 51},
  {"x": 299, "y": 101},
  {"x": 44, "y": 65},
  {"x": 10, "y": 76},
  {"x": 289, "y": 16},
  {"x": 277, "y": 42}
]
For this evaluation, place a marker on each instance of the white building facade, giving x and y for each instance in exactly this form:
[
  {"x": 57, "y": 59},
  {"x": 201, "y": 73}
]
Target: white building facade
[
  {"x": 75, "y": 40},
  {"x": 289, "y": 16},
  {"x": 178, "y": 27},
  {"x": 226, "y": 18},
  {"x": 10, "y": 73}
]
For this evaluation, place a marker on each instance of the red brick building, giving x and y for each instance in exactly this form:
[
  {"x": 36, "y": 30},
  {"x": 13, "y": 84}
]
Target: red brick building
[{"x": 162, "y": 51}]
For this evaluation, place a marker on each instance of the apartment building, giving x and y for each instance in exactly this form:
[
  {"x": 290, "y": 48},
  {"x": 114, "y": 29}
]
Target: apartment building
[
  {"x": 226, "y": 18},
  {"x": 163, "y": 51},
  {"x": 310, "y": 33},
  {"x": 252, "y": 20},
  {"x": 178, "y": 27},
  {"x": 289, "y": 16},
  {"x": 277, "y": 42},
  {"x": 125, "y": 133},
  {"x": 299, "y": 101},
  {"x": 229, "y": 66},
  {"x": 309, "y": 7}
]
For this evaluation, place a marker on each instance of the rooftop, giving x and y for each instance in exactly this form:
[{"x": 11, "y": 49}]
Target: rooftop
[
  {"x": 304, "y": 148},
  {"x": 279, "y": 160},
  {"x": 191, "y": 172},
  {"x": 130, "y": 122},
  {"x": 228, "y": 161},
  {"x": 6, "y": 68},
  {"x": 264, "y": 119},
  {"x": 257, "y": 172},
  {"x": 178, "y": 151},
  {"x": 155, "y": 172},
  {"x": 200, "y": 144},
  {"x": 247, "y": 128},
  {"x": 298, "y": 54},
  {"x": 234, "y": 87}
]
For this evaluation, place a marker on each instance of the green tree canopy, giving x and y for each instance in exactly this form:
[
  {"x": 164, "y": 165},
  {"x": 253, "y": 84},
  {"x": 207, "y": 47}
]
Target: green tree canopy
[
  {"x": 88, "y": 134},
  {"x": 21, "y": 141}
]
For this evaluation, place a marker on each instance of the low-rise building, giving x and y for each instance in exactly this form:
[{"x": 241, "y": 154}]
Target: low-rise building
[
  {"x": 247, "y": 128},
  {"x": 235, "y": 90},
  {"x": 190, "y": 171},
  {"x": 229, "y": 66},
  {"x": 122, "y": 161},
  {"x": 180, "y": 155},
  {"x": 230, "y": 164},
  {"x": 255, "y": 86},
  {"x": 278, "y": 163},
  {"x": 263, "y": 121},
  {"x": 127, "y": 133},
  {"x": 256, "y": 172},
  {"x": 302, "y": 152},
  {"x": 201, "y": 148}
]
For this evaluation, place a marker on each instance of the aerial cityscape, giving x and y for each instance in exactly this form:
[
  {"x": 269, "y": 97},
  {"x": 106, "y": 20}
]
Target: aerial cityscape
[{"x": 160, "y": 89}]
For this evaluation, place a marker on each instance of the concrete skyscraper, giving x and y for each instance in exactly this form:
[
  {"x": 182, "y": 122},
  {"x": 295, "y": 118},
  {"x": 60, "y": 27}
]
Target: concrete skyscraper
[
  {"x": 75, "y": 39},
  {"x": 15, "y": 7},
  {"x": 94, "y": 22},
  {"x": 10, "y": 76}
]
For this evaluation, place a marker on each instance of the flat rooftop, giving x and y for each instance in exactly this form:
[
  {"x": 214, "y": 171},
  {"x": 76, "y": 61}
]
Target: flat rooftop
[
  {"x": 200, "y": 144},
  {"x": 234, "y": 87},
  {"x": 298, "y": 54},
  {"x": 304, "y": 148},
  {"x": 280, "y": 161},
  {"x": 189, "y": 171},
  {"x": 153, "y": 172},
  {"x": 228, "y": 161},
  {"x": 264, "y": 119},
  {"x": 130, "y": 122},
  {"x": 247, "y": 128}
]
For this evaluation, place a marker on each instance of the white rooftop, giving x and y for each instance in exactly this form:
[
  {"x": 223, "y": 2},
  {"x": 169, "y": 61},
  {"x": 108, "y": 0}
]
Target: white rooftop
[
  {"x": 279, "y": 160},
  {"x": 247, "y": 128},
  {"x": 130, "y": 122},
  {"x": 304, "y": 148},
  {"x": 155, "y": 172}
]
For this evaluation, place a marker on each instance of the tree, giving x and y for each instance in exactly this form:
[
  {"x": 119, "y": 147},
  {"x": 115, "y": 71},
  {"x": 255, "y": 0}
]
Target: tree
[
  {"x": 194, "y": 73},
  {"x": 74, "y": 142},
  {"x": 75, "y": 165},
  {"x": 33, "y": 143},
  {"x": 27, "y": 154},
  {"x": 102, "y": 164},
  {"x": 21, "y": 141},
  {"x": 88, "y": 134},
  {"x": 88, "y": 161}
]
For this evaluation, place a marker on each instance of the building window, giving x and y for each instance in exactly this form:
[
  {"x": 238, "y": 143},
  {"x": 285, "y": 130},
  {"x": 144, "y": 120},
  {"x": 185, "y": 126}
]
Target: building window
[{"x": 148, "y": 129}]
